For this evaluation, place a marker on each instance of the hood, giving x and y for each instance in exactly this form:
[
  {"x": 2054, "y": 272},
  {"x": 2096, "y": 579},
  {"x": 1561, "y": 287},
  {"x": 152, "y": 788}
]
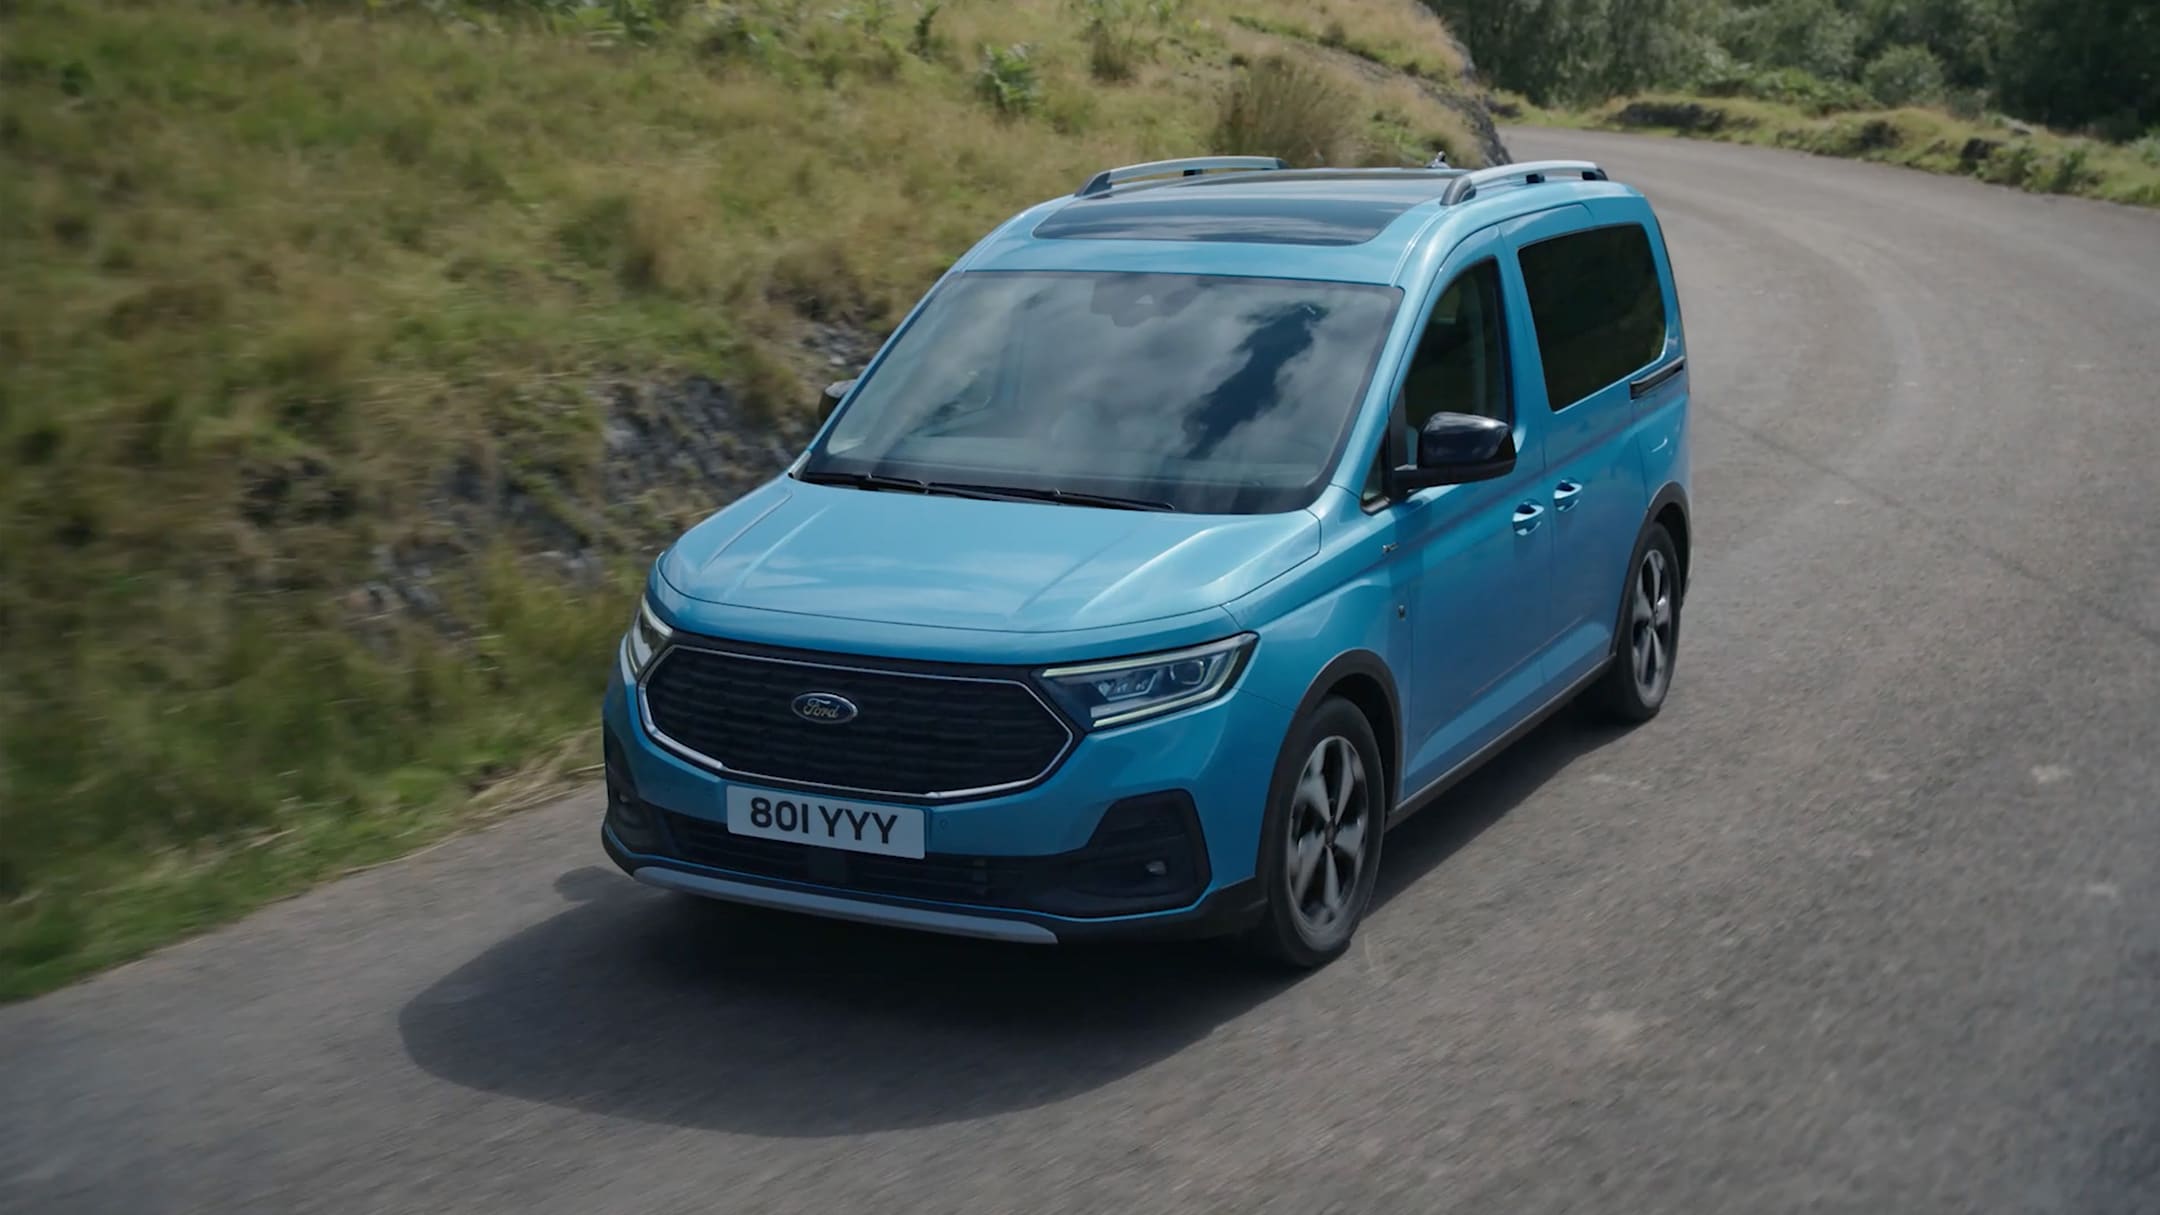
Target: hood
[{"x": 909, "y": 559}]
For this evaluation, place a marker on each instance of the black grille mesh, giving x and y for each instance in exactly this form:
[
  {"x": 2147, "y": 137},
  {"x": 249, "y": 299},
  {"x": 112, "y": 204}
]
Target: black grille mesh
[{"x": 914, "y": 735}]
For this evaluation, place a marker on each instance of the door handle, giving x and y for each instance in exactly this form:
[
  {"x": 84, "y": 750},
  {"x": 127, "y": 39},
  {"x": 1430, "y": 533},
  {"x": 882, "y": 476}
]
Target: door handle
[
  {"x": 1527, "y": 518},
  {"x": 1563, "y": 495}
]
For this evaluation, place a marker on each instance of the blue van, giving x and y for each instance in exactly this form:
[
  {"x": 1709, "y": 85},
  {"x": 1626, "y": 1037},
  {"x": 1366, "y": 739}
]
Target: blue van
[{"x": 1191, "y": 532}]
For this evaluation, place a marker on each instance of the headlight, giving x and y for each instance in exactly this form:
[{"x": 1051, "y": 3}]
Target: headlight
[
  {"x": 646, "y": 638},
  {"x": 1129, "y": 689}
]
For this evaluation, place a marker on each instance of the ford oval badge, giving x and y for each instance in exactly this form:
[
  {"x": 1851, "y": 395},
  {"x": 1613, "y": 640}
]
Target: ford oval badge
[{"x": 825, "y": 708}]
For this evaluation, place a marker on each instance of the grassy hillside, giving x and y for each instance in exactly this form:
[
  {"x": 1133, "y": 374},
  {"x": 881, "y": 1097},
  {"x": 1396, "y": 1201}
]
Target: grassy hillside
[
  {"x": 355, "y": 358},
  {"x": 1993, "y": 149}
]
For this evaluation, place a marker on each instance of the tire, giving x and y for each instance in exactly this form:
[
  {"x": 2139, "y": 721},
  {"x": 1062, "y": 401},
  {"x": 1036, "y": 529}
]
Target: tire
[
  {"x": 1647, "y": 641},
  {"x": 1302, "y": 927}
]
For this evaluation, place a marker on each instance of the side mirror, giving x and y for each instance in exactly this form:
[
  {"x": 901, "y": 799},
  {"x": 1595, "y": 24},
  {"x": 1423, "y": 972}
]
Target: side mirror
[
  {"x": 835, "y": 392},
  {"x": 1458, "y": 448}
]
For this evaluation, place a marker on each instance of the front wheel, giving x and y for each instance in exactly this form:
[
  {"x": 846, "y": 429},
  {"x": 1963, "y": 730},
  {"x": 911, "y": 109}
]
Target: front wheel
[
  {"x": 1321, "y": 845},
  {"x": 1634, "y": 687}
]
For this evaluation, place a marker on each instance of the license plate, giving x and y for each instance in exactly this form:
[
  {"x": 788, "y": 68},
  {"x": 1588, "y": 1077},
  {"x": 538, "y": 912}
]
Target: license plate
[{"x": 809, "y": 819}]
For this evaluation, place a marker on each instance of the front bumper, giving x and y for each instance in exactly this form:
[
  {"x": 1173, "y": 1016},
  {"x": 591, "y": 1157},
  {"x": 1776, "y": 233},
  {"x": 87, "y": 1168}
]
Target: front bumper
[
  {"x": 1053, "y": 863},
  {"x": 1228, "y": 910}
]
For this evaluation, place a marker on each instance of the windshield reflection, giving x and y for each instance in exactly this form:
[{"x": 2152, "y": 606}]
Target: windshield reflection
[{"x": 1208, "y": 393}]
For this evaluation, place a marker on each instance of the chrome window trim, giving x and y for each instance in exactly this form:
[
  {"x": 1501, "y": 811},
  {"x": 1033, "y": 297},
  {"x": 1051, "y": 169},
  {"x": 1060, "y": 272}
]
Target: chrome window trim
[{"x": 695, "y": 756}]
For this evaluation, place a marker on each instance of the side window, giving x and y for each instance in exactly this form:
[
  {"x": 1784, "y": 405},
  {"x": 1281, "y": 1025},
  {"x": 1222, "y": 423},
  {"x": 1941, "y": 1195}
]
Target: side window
[
  {"x": 1460, "y": 365},
  {"x": 1597, "y": 306}
]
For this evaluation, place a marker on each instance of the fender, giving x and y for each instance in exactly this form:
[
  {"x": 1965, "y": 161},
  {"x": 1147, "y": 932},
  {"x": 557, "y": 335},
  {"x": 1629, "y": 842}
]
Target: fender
[
  {"x": 1389, "y": 733},
  {"x": 1671, "y": 496},
  {"x": 1674, "y": 495},
  {"x": 1350, "y": 663}
]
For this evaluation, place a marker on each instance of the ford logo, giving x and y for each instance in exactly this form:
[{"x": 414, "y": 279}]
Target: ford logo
[{"x": 825, "y": 708}]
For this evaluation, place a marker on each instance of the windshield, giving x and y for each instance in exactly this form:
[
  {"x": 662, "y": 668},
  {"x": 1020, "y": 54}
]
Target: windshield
[{"x": 1224, "y": 395}]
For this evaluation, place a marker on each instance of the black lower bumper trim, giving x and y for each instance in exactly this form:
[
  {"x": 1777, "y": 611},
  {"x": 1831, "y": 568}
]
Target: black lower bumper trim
[{"x": 1227, "y": 912}]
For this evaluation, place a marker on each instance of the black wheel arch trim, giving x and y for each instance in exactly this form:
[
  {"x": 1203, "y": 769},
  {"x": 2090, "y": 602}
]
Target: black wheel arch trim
[
  {"x": 1371, "y": 666},
  {"x": 1673, "y": 495}
]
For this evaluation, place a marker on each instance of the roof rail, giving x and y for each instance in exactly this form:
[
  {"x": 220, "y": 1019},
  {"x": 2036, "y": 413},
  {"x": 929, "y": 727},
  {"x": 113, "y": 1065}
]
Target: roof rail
[
  {"x": 1465, "y": 188},
  {"x": 1188, "y": 167}
]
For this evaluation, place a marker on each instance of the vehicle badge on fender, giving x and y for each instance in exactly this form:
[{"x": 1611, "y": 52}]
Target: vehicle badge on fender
[{"x": 825, "y": 708}]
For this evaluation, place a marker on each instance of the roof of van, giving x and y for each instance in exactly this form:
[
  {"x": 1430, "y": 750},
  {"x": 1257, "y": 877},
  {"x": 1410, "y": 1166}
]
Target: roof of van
[{"x": 1351, "y": 225}]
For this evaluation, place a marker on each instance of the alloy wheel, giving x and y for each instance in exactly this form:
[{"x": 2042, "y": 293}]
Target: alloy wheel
[
  {"x": 1651, "y": 627},
  {"x": 1330, "y": 814}
]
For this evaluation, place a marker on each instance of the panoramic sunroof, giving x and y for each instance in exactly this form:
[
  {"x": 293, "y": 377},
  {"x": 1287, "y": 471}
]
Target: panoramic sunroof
[{"x": 1265, "y": 215}]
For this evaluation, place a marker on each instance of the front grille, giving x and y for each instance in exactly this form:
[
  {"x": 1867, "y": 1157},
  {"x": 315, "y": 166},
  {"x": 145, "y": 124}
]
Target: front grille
[{"x": 914, "y": 735}]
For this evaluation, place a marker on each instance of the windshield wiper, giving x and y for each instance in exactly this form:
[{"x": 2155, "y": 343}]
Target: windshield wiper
[
  {"x": 864, "y": 481},
  {"x": 1067, "y": 497},
  {"x": 905, "y": 485},
  {"x": 985, "y": 493}
]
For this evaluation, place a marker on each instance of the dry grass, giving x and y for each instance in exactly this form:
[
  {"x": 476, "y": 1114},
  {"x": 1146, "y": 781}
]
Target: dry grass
[
  {"x": 273, "y": 271},
  {"x": 1407, "y": 127},
  {"x": 1406, "y": 37},
  {"x": 1291, "y": 109}
]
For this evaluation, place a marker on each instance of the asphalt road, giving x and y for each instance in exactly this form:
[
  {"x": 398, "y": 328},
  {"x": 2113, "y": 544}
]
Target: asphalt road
[{"x": 1869, "y": 920}]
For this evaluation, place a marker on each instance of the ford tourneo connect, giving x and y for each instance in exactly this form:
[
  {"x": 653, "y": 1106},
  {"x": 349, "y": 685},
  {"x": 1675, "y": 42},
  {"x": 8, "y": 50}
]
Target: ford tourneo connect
[{"x": 1191, "y": 532}]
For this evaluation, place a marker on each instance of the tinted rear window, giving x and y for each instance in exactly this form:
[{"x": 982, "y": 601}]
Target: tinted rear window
[{"x": 1599, "y": 311}]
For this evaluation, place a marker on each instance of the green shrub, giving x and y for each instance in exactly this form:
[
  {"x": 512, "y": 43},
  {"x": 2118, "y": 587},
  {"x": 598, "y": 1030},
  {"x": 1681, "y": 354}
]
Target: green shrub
[
  {"x": 1111, "y": 56},
  {"x": 2072, "y": 172},
  {"x": 1007, "y": 79},
  {"x": 609, "y": 21},
  {"x": 873, "y": 16},
  {"x": 925, "y": 41},
  {"x": 1904, "y": 75},
  {"x": 2011, "y": 166},
  {"x": 1816, "y": 37},
  {"x": 1118, "y": 36},
  {"x": 1966, "y": 105},
  {"x": 1812, "y": 93},
  {"x": 1786, "y": 86},
  {"x": 1281, "y": 107},
  {"x": 1393, "y": 139}
]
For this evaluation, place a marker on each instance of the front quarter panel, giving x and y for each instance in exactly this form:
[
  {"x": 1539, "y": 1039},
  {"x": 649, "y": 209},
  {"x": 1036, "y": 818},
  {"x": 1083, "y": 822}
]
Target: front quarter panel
[{"x": 1345, "y": 601}]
